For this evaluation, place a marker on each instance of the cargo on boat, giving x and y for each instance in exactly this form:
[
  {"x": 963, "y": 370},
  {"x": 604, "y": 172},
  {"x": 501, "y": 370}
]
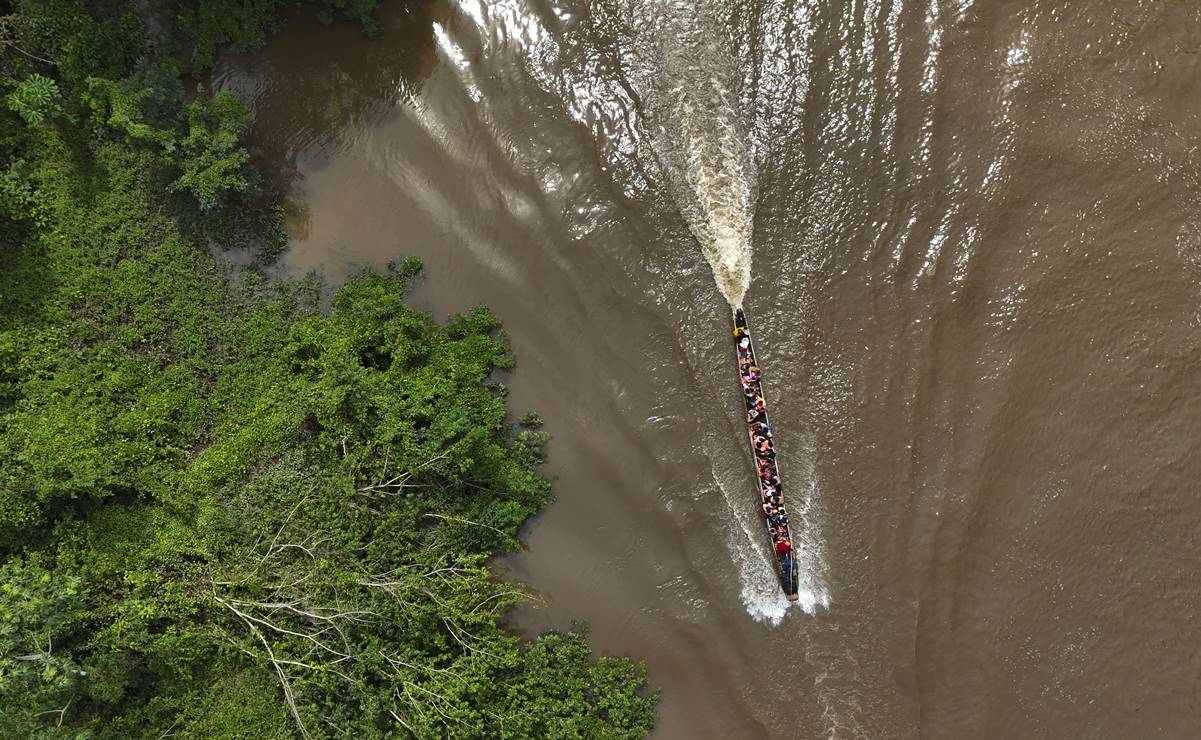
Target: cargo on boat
[{"x": 767, "y": 470}]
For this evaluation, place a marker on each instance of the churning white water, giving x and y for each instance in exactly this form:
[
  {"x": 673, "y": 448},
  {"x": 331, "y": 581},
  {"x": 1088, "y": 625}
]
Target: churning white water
[
  {"x": 703, "y": 143},
  {"x": 719, "y": 172}
]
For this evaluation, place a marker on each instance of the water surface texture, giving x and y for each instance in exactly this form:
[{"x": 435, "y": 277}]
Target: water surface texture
[{"x": 968, "y": 235}]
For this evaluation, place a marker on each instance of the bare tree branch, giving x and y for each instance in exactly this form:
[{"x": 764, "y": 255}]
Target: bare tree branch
[
  {"x": 13, "y": 45},
  {"x": 60, "y": 712},
  {"x": 272, "y": 626},
  {"x": 400, "y": 482},
  {"x": 279, "y": 670},
  {"x": 468, "y": 521}
]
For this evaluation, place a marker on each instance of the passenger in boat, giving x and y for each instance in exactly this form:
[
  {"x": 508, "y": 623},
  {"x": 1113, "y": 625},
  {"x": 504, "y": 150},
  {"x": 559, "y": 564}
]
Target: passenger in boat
[
  {"x": 770, "y": 511},
  {"x": 744, "y": 342},
  {"x": 783, "y": 547}
]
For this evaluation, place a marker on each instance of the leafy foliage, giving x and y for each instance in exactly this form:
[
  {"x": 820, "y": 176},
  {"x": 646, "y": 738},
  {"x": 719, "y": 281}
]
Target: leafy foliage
[
  {"x": 243, "y": 25},
  {"x": 213, "y": 158},
  {"x": 142, "y": 106},
  {"x": 226, "y": 511},
  {"x": 36, "y": 100}
]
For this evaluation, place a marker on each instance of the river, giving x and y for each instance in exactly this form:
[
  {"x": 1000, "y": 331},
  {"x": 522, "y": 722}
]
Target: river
[{"x": 969, "y": 237}]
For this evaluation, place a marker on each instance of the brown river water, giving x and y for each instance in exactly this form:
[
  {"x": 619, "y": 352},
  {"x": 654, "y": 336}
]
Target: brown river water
[{"x": 972, "y": 235}]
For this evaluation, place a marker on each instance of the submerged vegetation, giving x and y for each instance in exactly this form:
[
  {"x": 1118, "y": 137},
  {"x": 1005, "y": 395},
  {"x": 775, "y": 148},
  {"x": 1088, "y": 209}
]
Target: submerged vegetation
[{"x": 228, "y": 509}]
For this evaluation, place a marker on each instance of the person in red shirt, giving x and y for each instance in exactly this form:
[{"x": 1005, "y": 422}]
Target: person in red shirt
[{"x": 783, "y": 547}]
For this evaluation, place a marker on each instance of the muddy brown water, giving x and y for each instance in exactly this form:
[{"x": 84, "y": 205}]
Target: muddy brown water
[{"x": 976, "y": 288}]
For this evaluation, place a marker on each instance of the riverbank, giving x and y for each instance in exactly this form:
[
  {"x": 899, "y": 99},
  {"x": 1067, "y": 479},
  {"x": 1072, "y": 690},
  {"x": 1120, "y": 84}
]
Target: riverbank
[{"x": 224, "y": 508}]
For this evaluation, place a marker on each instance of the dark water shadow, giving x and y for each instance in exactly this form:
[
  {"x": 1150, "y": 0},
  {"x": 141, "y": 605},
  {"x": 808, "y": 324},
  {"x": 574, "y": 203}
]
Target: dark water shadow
[{"x": 315, "y": 87}]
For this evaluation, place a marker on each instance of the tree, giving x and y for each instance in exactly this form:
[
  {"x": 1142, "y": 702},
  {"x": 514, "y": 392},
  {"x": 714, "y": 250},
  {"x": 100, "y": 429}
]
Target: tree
[{"x": 212, "y": 156}]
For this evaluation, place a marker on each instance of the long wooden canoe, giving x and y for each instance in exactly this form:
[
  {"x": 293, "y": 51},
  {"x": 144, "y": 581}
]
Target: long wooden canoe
[{"x": 767, "y": 469}]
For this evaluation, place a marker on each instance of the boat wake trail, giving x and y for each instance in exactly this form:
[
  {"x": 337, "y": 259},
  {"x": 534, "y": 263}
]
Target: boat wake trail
[
  {"x": 719, "y": 173},
  {"x": 674, "y": 102},
  {"x": 698, "y": 135},
  {"x": 706, "y": 155},
  {"x": 760, "y": 591}
]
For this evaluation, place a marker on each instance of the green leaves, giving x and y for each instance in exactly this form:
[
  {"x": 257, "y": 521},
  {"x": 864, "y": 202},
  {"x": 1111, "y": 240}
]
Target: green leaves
[
  {"x": 562, "y": 694},
  {"x": 212, "y": 155},
  {"x": 37, "y": 609},
  {"x": 242, "y": 24},
  {"x": 18, "y": 196},
  {"x": 144, "y": 106},
  {"x": 204, "y": 146},
  {"x": 36, "y": 100}
]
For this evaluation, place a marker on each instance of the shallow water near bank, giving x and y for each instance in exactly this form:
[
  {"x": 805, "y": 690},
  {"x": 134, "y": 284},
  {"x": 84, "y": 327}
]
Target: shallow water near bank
[{"x": 975, "y": 281}]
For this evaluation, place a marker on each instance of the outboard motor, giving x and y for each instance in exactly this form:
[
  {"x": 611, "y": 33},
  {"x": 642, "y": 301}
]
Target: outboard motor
[{"x": 788, "y": 573}]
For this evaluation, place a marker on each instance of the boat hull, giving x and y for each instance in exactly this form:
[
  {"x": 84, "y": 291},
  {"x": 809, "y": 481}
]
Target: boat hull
[{"x": 763, "y": 451}]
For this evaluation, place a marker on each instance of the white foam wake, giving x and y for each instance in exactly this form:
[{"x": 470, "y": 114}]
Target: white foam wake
[
  {"x": 760, "y": 592},
  {"x": 718, "y": 170},
  {"x": 687, "y": 78}
]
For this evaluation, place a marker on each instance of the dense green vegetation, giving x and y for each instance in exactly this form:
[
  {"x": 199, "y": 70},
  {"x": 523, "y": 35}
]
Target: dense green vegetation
[{"x": 230, "y": 507}]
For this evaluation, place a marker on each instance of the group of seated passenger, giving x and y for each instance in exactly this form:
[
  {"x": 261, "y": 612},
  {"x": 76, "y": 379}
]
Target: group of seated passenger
[{"x": 761, "y": 441}]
